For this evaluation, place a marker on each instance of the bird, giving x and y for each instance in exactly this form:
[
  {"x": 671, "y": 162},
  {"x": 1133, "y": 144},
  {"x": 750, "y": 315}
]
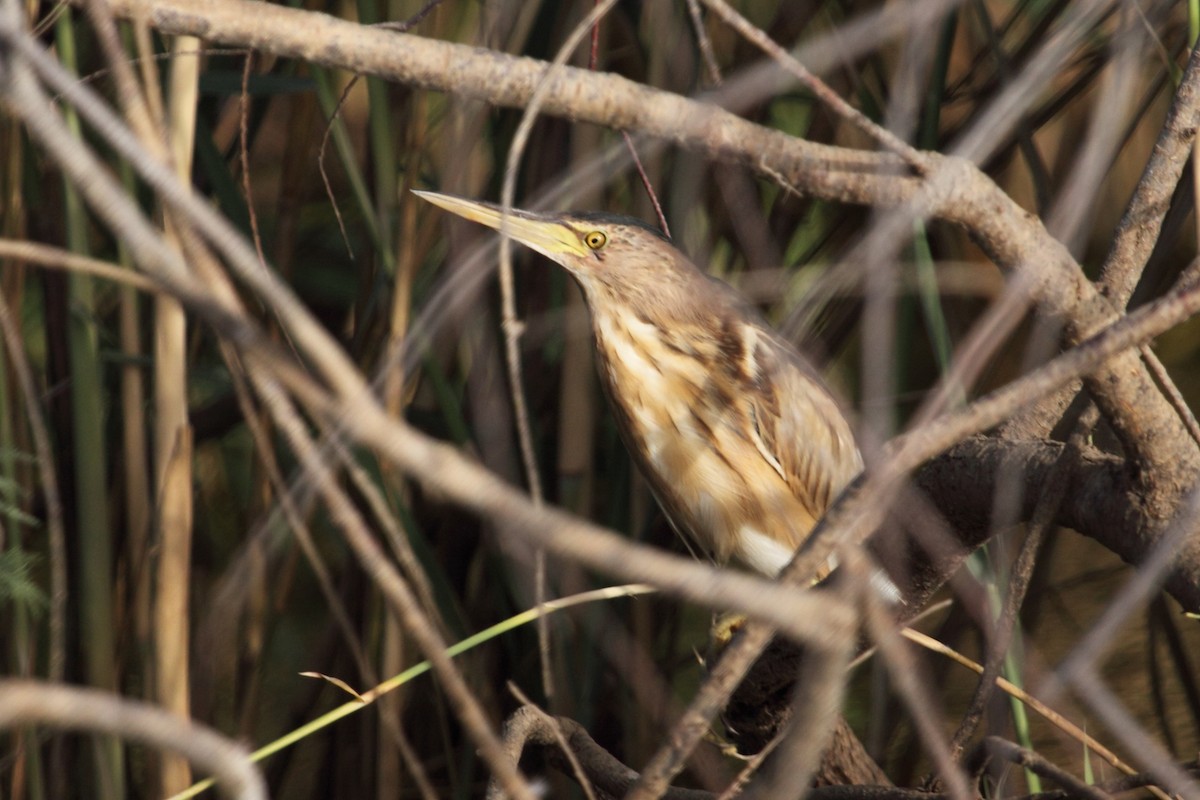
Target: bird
[{"x": 740, "y": 441}]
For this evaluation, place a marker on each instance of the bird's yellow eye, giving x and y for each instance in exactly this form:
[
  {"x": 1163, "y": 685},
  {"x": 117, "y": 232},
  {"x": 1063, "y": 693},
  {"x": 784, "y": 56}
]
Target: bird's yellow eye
[{"x": 595, "y": 240}]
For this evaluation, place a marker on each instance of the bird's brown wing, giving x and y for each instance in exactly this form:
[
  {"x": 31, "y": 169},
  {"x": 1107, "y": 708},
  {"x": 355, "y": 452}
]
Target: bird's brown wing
[{"x": 799, "y": 426}]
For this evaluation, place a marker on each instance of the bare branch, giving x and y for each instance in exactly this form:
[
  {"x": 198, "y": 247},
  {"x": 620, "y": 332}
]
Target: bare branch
[
  {"x": 35, "y": 703},
  {"x": 1142, "y": 222}
]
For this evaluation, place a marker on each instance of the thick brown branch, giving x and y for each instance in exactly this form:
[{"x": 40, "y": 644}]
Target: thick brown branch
[
  {"x": 1150, "y": 430},
  {"x": 1101, "y": 502},
  {"x": 605, "y": 99}
]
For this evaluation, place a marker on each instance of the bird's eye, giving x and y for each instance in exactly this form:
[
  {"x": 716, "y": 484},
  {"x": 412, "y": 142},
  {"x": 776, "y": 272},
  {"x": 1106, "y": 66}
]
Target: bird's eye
[{"x": 595, "y": 240}]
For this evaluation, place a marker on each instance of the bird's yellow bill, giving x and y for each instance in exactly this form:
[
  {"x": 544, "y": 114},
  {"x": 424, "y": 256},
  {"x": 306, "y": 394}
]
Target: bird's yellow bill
[{"x": 549, "y": 237}]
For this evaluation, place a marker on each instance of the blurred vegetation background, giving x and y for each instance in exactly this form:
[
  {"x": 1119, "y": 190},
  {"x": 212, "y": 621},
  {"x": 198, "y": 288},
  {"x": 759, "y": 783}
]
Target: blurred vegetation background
[{"x": 316, "y": 166}]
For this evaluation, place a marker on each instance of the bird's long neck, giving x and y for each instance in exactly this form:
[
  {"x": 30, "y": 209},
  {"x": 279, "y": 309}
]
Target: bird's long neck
[
  {"x": 665, "y": 345},
  {"x": 657, "y": 374},
  {"x": 647, "y": 355}
]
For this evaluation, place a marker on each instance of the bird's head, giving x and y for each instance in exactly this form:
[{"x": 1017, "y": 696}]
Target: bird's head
[{"x": 606, "y": 253}]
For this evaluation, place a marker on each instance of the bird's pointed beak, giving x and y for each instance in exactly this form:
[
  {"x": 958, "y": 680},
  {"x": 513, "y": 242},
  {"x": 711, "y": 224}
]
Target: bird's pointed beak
[{"x": 550, "y": 237}]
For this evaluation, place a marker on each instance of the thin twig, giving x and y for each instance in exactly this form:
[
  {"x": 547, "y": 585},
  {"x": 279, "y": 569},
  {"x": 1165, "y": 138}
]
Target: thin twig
[
  {"x": 1023, "y": 757},
  {"x": 1142, "y": 222},
  {"x": 1130, "y": 331},
  {"x": 913, "y": 157},
  {"x": 404, "y": 26},
  {"x": 325, "y": 135},
  {"x": 1029, "y": 700},
  {"x": 1000, "y": 636},
  {"x": 1171, "y": 391},
  {"x": 288, "y": 504},
  {"x": 905, "y": 677},
  {"x": 646, "y": 184},
  {"x": 704, "y": 42},
  {"x": 512, "y": 325},
  {"x": 1109, "y": 709},
  {"x": 244, "y": 155}
]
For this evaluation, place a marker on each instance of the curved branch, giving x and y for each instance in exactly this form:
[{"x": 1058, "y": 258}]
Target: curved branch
[
  {"x": 527, "y": 730},
  {"x": 528, "y": 726},
  {"x": 24, "y": 702}
]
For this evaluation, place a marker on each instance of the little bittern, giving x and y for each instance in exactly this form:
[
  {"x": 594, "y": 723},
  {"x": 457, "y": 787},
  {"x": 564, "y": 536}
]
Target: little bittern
[{"x": 741, "y": 443}]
